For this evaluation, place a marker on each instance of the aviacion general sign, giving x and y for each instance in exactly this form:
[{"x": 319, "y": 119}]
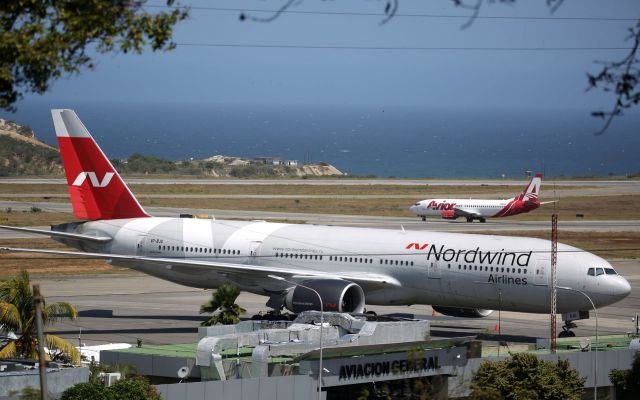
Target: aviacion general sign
[{"x": 375, "y": 369}]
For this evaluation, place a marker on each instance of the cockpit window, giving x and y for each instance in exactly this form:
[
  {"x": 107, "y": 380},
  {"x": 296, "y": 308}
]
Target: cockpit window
[
  {"x": 610, "y": 271},
  {"x": 599, "y": 271},
  {"x": 591, "y": 272},
  {"x": 417, "y": 204}
]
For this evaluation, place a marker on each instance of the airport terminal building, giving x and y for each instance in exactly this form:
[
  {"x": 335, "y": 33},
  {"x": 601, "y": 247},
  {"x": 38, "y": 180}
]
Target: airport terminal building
[{"x": 358, "y": 359}]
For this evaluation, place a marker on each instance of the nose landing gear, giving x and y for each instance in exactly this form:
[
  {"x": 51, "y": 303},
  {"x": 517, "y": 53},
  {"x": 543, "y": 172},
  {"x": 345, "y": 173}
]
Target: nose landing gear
[
  {"x": 569, "y": 323},
  {"x": 566, "y": 329}
]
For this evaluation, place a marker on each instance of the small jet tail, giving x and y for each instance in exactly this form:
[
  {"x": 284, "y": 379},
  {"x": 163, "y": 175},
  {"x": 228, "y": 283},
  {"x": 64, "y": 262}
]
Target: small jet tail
[
  {"x": 532, "y": 191},
  {"x": 96, "y": 189}
]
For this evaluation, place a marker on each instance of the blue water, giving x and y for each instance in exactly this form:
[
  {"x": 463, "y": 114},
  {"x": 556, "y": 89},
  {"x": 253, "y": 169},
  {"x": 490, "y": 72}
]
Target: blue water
[{"x": 400, "y": 142}]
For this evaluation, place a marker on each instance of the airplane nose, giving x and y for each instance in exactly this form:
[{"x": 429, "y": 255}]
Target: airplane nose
[{"x": 622, "y": 288}]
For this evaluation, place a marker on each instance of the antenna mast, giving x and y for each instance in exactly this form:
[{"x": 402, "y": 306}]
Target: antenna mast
[{"x": 554, "y": 279}]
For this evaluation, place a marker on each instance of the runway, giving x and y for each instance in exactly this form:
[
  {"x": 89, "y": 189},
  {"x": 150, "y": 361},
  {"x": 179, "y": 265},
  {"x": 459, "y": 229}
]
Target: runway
[
  {"x": 121, "y": 308},
  {"x": 407, "y": 223},
  {"x": 337, "y": 181}
]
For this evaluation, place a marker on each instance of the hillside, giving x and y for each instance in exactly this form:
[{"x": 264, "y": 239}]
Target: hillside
[
  {"x": 220, "y": 167},
  {"x": 22, "y": 154}
]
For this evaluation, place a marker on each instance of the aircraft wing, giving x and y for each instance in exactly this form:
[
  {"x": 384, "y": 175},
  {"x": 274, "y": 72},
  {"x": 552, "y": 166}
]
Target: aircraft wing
[
  {"x": 65, "y": 235},
  {"x": 462, "y": 212},
  {"x": 251, "y": 271}
]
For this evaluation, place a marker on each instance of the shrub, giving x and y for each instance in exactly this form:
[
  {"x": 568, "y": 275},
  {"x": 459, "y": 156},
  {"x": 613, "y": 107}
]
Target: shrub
[
  {"x": 83, "y": 391},
  {"x": 135, "y": 388}
]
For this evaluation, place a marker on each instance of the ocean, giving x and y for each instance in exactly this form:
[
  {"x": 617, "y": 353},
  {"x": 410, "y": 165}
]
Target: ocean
[{"x": 365, "y": 141}]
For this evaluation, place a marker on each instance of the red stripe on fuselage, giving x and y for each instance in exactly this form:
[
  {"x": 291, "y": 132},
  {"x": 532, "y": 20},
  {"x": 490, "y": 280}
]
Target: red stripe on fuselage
[{"x": 516, "y": 206}]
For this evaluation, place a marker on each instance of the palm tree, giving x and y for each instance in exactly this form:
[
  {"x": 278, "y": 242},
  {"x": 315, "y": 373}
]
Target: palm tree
[
  {"x": 17, "y": 315},
  {"x": 223, "y": 299}
]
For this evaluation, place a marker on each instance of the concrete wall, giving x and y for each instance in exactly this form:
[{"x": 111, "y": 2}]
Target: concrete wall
[
  {"x": 58, "y": 380},
  {"x": 273, "y": 388}
]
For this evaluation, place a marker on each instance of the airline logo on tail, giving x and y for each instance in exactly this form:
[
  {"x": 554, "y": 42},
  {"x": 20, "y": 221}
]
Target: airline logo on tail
[
  {"x": 95, "y": 188},
  {"x": 82, "y": 176},
  {"x": 531, "y": 192}
]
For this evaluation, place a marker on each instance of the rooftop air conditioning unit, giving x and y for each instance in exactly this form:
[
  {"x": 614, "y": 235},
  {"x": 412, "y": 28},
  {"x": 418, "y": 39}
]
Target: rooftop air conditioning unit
[{"x": 109, "y": 378}]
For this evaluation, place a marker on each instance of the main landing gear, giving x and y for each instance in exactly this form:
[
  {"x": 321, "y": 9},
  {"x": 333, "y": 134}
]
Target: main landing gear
[
  {"x": 481, "y": 219},
  {"x": 424, "y": 217}
]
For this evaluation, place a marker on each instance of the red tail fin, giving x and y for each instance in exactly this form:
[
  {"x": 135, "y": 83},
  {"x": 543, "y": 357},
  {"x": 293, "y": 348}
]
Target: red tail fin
[
  {"x": 532, "y": 191},
  {"x": 96, "y": 189}
]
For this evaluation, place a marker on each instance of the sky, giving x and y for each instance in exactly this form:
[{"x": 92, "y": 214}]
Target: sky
[{"x": 420, "y": 58}]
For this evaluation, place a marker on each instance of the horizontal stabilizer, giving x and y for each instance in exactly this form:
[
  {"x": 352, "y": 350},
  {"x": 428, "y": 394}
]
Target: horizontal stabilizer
[{"x": 66, "y": 235}]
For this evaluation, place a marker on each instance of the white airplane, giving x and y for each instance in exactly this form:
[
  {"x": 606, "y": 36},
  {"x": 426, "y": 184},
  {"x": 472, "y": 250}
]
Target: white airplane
[
  {"x": 458, "y": 274},
  {"x": 482, "y": 209}
]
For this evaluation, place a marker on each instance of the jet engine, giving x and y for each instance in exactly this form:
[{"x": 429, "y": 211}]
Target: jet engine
[
  {"x": 448, "y": 214},
  {"x": 463, "y": 312},
  {"x": 337, "y": 296}
]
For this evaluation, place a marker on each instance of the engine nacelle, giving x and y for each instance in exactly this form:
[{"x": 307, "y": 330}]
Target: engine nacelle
[
  {"x": 337, "y": 296},
  {"x": 448, "y": 214},
  {"x": 463, "y": 312}
]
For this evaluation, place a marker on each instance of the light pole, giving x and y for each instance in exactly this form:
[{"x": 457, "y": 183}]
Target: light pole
[
  {"x": 38, "y": 301},
  {"x": 279, "y": 278},
  {"x": 499, "y": 319},
  {"x": 595, "y": 352}
]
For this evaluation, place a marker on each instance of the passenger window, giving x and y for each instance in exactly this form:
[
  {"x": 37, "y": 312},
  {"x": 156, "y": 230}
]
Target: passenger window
[
  {"x": 599, "y": 271},
  {"x": 591, "y": 272}
]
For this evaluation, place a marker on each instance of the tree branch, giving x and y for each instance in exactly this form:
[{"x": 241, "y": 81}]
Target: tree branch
[{"x": 620, "y": 77}]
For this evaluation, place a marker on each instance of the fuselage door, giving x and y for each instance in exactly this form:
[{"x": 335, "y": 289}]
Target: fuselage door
[
  {"x": 541, "y": 272},
  {"x": 434, "y": 270},
  {"x": 141, "y": 249},
  {"x": 254, "y": 248}
]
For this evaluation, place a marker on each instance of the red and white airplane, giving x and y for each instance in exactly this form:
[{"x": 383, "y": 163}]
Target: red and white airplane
[{"x": 481, "y": 209}]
